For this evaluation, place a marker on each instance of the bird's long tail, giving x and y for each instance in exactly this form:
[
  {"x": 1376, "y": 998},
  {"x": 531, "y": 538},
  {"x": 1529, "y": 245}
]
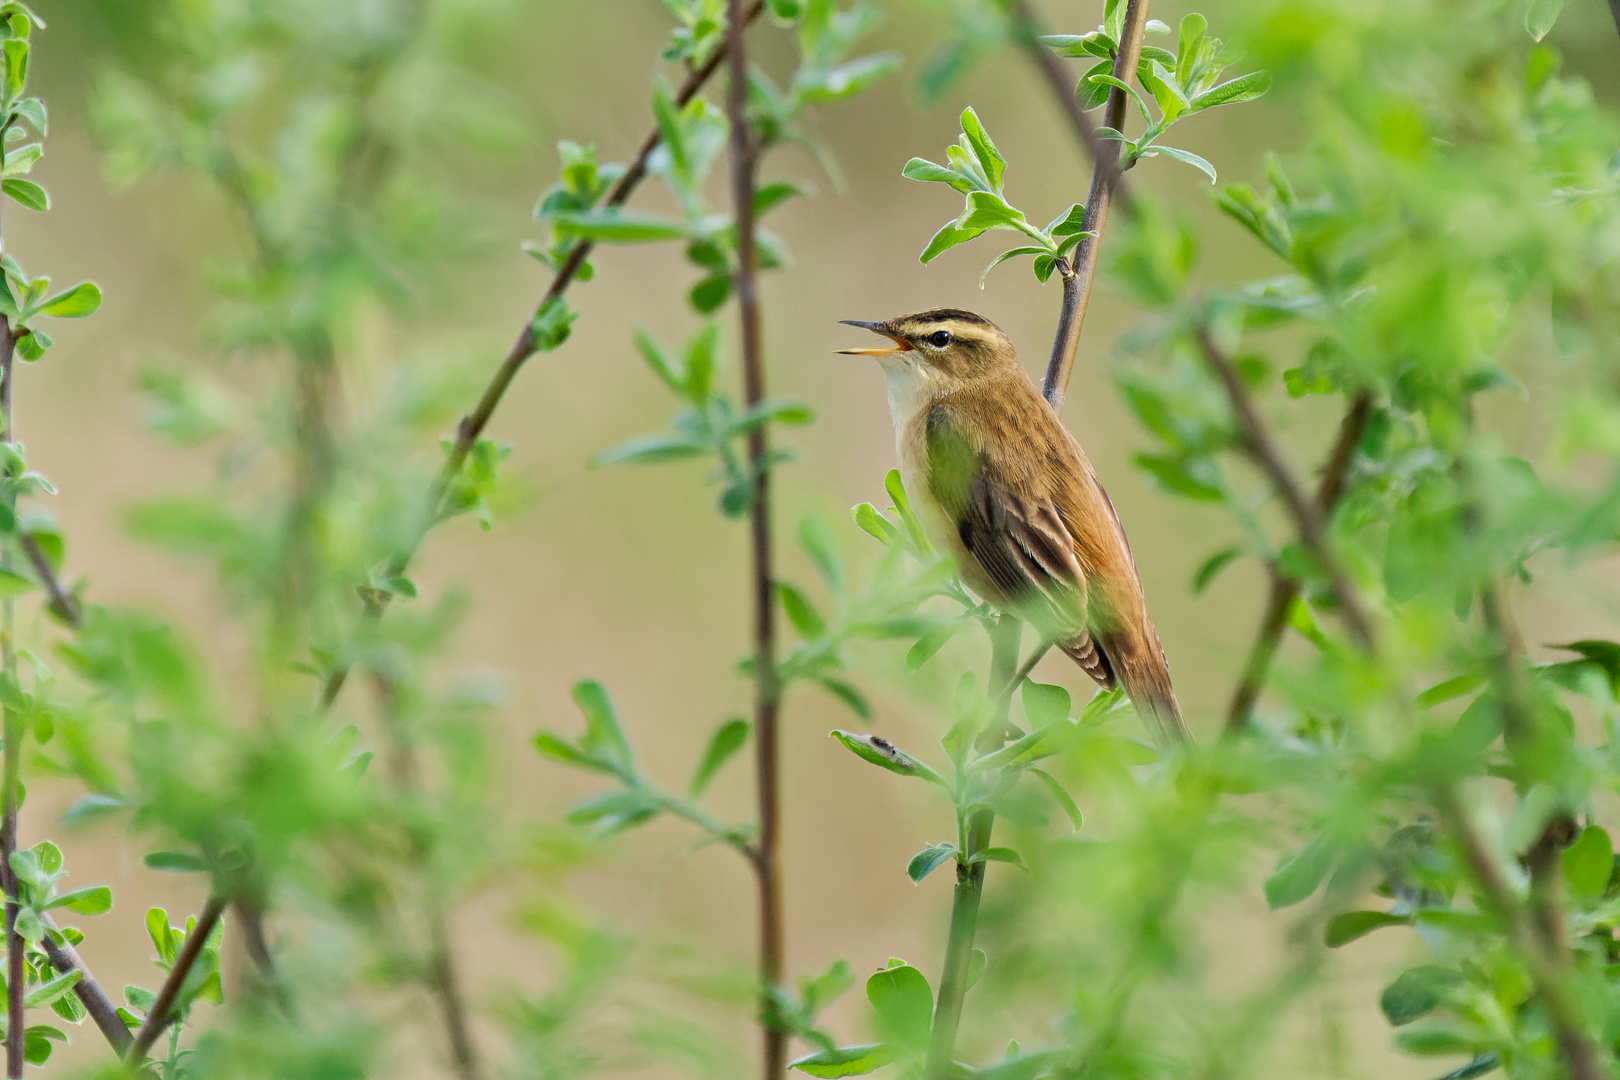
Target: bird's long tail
[{"x": 1134, "y": 661}]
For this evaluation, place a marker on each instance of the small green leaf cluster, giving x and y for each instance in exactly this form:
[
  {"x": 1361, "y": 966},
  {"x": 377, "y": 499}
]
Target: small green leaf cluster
[
  {"x": 469, "y": 492},
  {"x": 1180, "y": 83},
  {"x": 604, "y": 748},
  {"x": 709, "y": 425},
  {"x": 976, "y": 169},
  {"x": 202, "y": 980}
]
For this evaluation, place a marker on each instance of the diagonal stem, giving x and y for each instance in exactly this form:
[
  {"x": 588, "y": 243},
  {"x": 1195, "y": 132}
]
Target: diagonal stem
[
  {"x": 162, "y": 1012},
  {"x": 1285, "y": 589},
  {"x": 472, "y": 425},
  {"x": 64, "y": 958},
  {"x": 1080, "y": 274},
  {"x": 1257, "y": 441}
]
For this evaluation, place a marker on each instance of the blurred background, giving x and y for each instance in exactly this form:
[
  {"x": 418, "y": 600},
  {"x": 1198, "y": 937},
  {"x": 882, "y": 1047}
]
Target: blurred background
[{"x": 628, "y": 574}]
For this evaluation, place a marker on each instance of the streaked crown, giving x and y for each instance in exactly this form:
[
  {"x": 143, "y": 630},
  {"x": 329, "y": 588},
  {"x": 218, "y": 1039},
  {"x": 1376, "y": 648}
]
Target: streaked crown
[{"x": 957, "y": 343}]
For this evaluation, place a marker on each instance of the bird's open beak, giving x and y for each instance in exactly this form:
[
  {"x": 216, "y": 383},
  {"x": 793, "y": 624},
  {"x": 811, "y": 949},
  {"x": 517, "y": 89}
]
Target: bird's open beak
[{"x": 900, "y": 344}]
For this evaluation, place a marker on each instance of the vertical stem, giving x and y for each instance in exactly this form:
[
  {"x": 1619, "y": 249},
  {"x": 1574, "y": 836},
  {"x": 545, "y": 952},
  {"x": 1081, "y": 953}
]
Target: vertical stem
[
  {"x": 13, "y": 736},
  {"x": 1104, "y": 174},
  {"x": 767, "y": 688},
  {"x": 1005, "y": 638}
]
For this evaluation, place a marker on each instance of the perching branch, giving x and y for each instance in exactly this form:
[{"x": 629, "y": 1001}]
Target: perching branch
[
  {"x": 162, "y": 1011},
  {"x": 767, "y": 680},
  {"x": 1284, "y": 590},
  {"x": 1026, "y": 24},
  {"x": 472, "y": 425},
  {"x": 1256, "y": 440},
  {"x": 1080, "y": 274},
  {"x": 64, "y": 958}
]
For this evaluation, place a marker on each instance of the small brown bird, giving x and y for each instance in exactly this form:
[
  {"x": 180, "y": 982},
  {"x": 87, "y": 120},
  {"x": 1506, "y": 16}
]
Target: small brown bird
[{"x": 998, "y": 481}]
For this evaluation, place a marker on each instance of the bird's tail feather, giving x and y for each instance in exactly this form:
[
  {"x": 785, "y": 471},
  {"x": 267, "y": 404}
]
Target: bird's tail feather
[{"x": 1135, "y": 662}]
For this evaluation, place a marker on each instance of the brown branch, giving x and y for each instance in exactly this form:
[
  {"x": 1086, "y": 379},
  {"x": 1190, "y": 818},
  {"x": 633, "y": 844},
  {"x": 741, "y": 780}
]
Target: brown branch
[
  {"x": 1104, "y": 154},
  {"x": 62, "y": 601},
  {"x": 1256, "y": 440},
  {"x": 64, "y": 958},
  {"x": 1548, "y": 961},
  {"x": 472, "y": 425},
  {"x": 13, "y": 736},
  {"x": 1285, "y": 589},
  {"x": 1080, "y": 274},
  {"x": 767, "y": 680},
  {"x": 162, "y": 1011}
]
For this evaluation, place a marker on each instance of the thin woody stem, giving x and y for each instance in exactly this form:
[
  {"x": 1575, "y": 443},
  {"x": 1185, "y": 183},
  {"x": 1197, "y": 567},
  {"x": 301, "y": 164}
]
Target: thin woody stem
[
  {"x": 1284, "y": 589},
  {"x": 1081, "y": 274},
  {"x": 767, "y": 680},
  {"x": 13, "y": 734},
  {"x": 64, "y": 958},
  {"x": 162, "y": 1012},
  {"x": 1026, "y": 24},
  {"x": 472, "y": 424},
  {"x": 1256, "y": 440}
]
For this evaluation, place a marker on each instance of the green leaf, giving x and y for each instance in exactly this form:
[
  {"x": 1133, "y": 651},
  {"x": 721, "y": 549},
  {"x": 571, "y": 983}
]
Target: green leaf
[
  {"x": 1298, "y": 875},
  {"x": 613, "y": 225},
  {"x": 26, "y": 192},
  {"x": 158, "y": 929},
  {"x": 33, "y": 111},
  {"x": 1589, "y": 862},
  {"x": 771, "y": 196},
  {"x": 875, "y": 524},
  {"x": 847, "y": 1060},
  {"x": 1044, "y": 703},
  {"x": 1416, "y": 992},
  {"x": 1060, "y": 796},
  {"x": 1452, "y": 688},
  {"x": 671, "y": 371},
  {"x": 1211, "y": 567},
  {"x": 849, "y": 79},
  {"x": 95, "y": 900},
  {"x": 603, "y": 733},
  {"x": 1009, "y": 254},
  {"x": 1167, "y": 92},
  {"x": 879, "y": 751},
  {"x": 947, "y": 237},
  {"x": 1243, "y": 88},
  {"x": 13, "y": 584},
  {"x": 651, "y": 449},
  {"x": 48, "y": 991},
  {"x": 817, "y": 539},
  {"x": 929, "y": 173},
  {"x": 1183, "y": 155},
  {"x": 1190, "y": 33},
  {"x": 561, "y": 750},
  {"x": 709, "y": 293},
  {"x": 928, "y": 860},
  {"x": 801, "y": 612},
  {"x": 727, "y": 739},
  {"x": 929, "y": 644},
  {"x": 1541, "y": 16},
  {"x": 1109, "y": 79},
  {"x": 183, "y": 862},
  {"x": 1092, "y": 93},
  {"x": 1345, "y": 928},
  {"x": 904, "y": 1004},
  {"x": 1000, "y": 854},
  {"x": 552, "y": 324},
  {"x": 16, "y": 52},
  {"x": 990, "y": 159},
  {"x": 987, "y": 210}
]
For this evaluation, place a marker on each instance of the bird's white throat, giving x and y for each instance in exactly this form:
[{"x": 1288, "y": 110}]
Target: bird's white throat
[{"x": 910, "y": 389}]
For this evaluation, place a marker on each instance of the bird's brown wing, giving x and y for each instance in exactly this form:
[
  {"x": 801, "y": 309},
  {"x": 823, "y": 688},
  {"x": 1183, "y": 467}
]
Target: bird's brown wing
[
  {"x": 1021, "y": 543},
  {"x": 1052, "y": 544}
]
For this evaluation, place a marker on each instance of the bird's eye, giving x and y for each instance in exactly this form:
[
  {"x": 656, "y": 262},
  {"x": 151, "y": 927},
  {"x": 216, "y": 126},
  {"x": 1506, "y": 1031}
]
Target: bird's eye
[{"x": 939, "y": 338}]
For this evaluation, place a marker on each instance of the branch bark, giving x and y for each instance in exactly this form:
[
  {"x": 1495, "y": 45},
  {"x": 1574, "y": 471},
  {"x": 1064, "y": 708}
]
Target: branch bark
[
  {"x": 64, "y": 958},
  {"x": 1081, "y": 273},
  {"x": 1027, "y": 26},
  {"x": 13, "y": 736},
  {"x": 473, "y": 423},
  {"x": 161, "y": 1014},
  {"x": 1262, "y": 449},
  {"x": 1284, "y": 589},
  {"x": 767, "y": 682}
]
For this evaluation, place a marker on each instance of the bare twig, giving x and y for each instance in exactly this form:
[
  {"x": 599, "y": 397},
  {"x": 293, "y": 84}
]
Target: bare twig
[
  {"x": 1080, "y": 274},
  {"x": 162, "y": 1011},
  {"x": 1548, "y": 961},
  {"x": 472, "y": 425},
  {"x": 767, "y": 680},
  {"x": 1026, "y": 24},
  {"x": 1256, "y": 440},
  {"x": 64, "y": 958},
  {"x": 1285, "y": 589},
  {"x": 62, "y": 601},
  {"x": 13, "y": 736}
]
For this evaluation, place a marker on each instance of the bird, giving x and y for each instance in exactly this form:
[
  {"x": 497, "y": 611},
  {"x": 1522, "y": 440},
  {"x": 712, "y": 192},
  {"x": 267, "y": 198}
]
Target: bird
[{"x": 998, "y": 481}]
